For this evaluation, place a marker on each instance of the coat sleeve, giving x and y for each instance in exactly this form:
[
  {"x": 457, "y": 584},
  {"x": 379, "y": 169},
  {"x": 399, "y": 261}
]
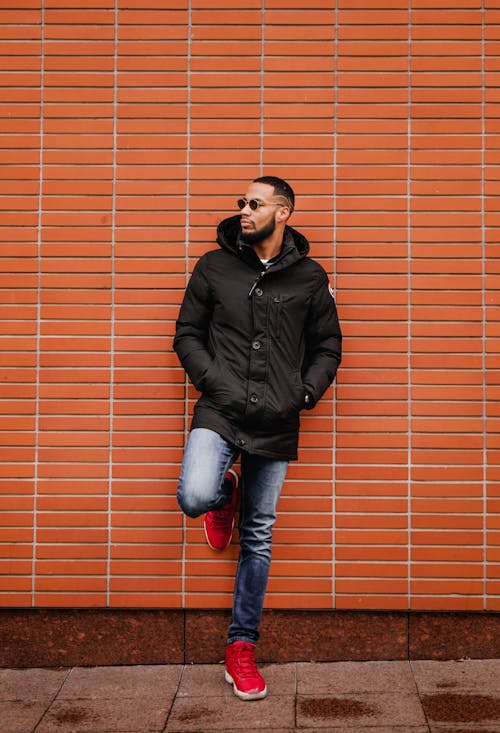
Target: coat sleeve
[
  {"x": 323, "y": 342},
  {"x": 192, "y": 327}
]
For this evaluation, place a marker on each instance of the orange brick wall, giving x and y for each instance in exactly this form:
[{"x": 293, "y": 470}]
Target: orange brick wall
[{"x": 128, "y": 130}]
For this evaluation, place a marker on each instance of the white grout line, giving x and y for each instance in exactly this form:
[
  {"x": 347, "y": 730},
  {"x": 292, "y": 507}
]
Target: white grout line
[
  {"x": 409, "y": 315},
  {"x": 186, "y": 266},
  {"x": 334, "y": 257},
  {"x": 484, "y": 306},
  {"x": 112, "y": 323},
  {"x": 262, "y": 84},
  {"x": 38, "y": 311}
]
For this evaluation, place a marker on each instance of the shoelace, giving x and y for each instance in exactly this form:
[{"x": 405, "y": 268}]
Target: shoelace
[
  {"x": 220, "y": 517},
  {"x": 246, "y": 663}
]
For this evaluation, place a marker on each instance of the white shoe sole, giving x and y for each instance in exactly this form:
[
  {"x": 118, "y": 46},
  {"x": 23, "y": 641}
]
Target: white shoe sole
[
  {"x": 245, "y": 695},
  {"x": 234, "y": 475}
]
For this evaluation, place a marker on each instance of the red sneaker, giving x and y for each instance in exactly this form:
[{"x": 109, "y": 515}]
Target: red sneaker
[
  {"x": 219, "y": 524},
  {"x": 242, "y": 672}
]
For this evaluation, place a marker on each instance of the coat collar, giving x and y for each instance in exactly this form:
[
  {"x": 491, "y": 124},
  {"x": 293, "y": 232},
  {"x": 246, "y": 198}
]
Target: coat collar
[{"x": 295, "y": 245}]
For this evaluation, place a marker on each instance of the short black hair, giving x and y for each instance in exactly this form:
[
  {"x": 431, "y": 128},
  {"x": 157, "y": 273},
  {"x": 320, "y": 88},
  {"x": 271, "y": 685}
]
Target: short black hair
[{"x": 281, "y": 188}]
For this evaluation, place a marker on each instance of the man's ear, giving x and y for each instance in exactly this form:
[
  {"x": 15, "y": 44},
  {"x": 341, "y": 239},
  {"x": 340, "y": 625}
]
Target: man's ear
[{"x": 283, "y": 213}]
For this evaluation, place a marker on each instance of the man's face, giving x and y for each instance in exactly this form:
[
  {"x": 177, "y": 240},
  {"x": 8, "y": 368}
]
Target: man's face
[{"x": 258, "y": 224}]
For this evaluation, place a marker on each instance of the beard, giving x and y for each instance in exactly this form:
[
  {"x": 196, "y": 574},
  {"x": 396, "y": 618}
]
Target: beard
[{"x": 258, "y": 235}]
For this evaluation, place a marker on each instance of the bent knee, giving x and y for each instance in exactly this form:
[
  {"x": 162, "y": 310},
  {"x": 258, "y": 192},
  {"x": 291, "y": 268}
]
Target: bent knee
[
  {"x": 189, "y": 505},
  {"x": 194, "y": 499}
]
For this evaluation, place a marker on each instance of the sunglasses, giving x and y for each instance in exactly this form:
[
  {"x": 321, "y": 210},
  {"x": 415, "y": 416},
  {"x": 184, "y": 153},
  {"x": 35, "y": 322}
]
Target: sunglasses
[{"x": 253, "y": 204}]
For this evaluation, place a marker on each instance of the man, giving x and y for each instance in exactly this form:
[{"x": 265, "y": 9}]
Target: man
[{"x": 258, "y": 336}]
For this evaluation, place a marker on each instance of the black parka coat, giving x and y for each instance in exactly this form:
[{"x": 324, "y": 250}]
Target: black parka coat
[{"x": 253, "y": 341}]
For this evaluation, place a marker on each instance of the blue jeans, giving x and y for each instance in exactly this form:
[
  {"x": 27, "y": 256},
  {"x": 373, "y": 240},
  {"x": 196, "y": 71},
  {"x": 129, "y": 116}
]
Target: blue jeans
[{"x": 202, "y": 488}]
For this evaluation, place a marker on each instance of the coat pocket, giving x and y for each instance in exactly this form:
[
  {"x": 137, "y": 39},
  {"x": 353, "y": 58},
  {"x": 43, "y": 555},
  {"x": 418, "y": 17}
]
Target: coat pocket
[
  {"x": 284, "y": 399},
  {"x": 223, "y": 389}
]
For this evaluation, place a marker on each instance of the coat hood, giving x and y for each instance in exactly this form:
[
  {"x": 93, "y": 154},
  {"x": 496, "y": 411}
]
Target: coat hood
[{"x": 295, "y": 245}]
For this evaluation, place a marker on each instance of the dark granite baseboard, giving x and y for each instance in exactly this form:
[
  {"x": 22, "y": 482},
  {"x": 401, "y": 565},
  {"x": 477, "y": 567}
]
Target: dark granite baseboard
[
  {"x": 90, "y": 637},
  {"x": 288, "y": 636},
  {"x": 94, "y": 637}
]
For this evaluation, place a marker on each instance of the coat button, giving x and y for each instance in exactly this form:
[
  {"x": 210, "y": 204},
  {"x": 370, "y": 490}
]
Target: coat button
[
  {"x": 240, "y": 442},
  {"x": 258, "y": 291},
  {"x": 256, "y": 345},
  {"x": 254, "y": 398}
]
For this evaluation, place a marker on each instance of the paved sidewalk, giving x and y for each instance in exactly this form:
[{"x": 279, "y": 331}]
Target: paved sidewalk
[{"x": 369, "y": 697}]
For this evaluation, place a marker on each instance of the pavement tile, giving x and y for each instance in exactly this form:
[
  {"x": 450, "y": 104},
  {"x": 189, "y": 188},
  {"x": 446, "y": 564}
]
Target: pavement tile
[
  {"x": 20, "y": 716},
  {"x": 104, "y": 716},
  {"x": 461, "y": 708},
  {"x": 461, "y": 728},
  {"x": 101, "y": 683},
  {"x": 31, "y": 684},
  {"x": 206, "y": 680},
  {"x": 481, "y": 675},
  {"x": 460, "y": 695},
  {"x": 368, "y": 729},
  {"x": 194, "y": 714},
  {"x": 272, "y": 729},
  {"x": 358, "y": 709},
  {"x": 345, "y": 677}
]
